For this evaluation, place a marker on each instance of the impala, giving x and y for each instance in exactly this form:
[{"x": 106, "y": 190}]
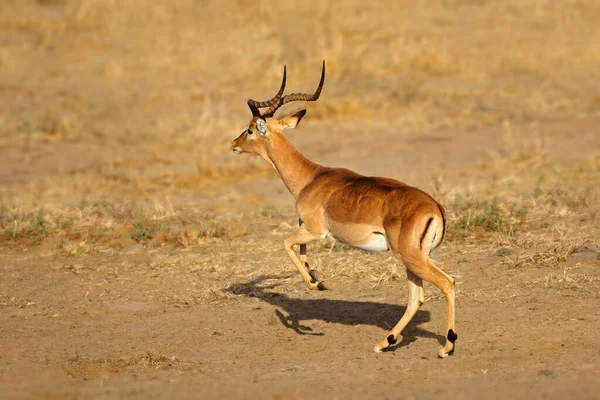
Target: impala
[{"x": 370, "y": 213}]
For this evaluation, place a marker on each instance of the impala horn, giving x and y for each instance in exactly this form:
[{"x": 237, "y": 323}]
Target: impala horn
[
  {"x": 276, "y": 102},
  {"x": 255, "y": 105}
]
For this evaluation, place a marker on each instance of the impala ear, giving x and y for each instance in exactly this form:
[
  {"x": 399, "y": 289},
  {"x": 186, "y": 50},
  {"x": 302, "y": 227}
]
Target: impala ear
[{"x": 291, "y": 120}]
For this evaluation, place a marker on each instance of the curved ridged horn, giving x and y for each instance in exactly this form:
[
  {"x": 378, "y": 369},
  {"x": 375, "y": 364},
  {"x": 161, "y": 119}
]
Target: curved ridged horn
[
  {"x": 255, "y": 105},
  {"x": 297, "y": 96}
]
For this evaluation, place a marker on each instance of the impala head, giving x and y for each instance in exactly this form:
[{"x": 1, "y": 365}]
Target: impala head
[{"x": 263, "y": 126}]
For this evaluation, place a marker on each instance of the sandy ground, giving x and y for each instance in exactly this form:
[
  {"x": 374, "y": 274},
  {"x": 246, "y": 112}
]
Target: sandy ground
[{"x": 140, "y": 258}]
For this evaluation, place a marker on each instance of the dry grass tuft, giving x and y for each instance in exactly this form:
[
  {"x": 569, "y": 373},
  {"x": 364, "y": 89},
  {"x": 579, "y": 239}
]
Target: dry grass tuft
[
  {"x": 79, "y": 367},
  {"x": 565, "y": 280},
  {"x": 17, "y": 225}
]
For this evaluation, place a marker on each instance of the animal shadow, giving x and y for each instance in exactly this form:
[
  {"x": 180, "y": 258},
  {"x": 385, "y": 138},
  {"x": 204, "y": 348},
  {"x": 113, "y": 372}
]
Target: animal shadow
[{"x": 344, "y": 312}]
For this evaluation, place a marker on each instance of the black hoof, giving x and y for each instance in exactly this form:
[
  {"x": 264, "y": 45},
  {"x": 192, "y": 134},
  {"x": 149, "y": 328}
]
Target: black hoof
[
  {"x": 452, "y": 336},
  {"x": 391, "y": 339}
]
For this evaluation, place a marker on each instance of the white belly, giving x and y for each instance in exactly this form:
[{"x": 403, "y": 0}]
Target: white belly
[
  {"x": 362, "y": 236},
  {"x": 378, "y": 244}
]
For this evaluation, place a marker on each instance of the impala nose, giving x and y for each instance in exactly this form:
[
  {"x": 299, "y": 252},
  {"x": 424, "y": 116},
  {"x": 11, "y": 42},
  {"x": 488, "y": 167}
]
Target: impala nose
[{"x": 235, "y": 149}]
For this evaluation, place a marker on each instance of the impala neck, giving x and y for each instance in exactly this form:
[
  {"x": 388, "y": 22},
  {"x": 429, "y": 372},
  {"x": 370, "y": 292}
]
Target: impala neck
[{"x": 296, "y": 171}]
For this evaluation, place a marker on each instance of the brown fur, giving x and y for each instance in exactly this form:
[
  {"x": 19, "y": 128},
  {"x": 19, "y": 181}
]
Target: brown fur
[{"x": 368, "y": 212}]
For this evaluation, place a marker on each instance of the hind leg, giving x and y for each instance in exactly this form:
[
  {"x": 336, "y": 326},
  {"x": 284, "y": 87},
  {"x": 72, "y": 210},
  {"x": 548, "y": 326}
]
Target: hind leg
[
  {"x": 415, "y": 300},
  {"x": 415, "y": 257},
  {"x": 427, "y": 270}
]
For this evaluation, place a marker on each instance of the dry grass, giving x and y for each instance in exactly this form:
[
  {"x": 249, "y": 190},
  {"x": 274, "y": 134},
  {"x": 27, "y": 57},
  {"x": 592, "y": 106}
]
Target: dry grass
[
  {"x": 83, "y": 368},
  {"x": 539, "y": 227},
  {"x": 569, "y": 278},
  {"x": 515, "y": 61},
  {"x": 118, "y": 147},
  {"x": 419, "y": 68},
  {"x": 92, "y": 227}
]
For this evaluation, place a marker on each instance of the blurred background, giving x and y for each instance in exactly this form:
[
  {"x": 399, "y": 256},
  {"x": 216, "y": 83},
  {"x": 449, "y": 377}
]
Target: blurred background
[
  {"x": 147, "y": 97},
  {"x": 128, "y": 110},
  {"x": 126, "y": 220}
]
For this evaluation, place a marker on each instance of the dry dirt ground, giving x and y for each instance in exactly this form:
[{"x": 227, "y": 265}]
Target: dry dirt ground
[{"x": 139, "y": 258}]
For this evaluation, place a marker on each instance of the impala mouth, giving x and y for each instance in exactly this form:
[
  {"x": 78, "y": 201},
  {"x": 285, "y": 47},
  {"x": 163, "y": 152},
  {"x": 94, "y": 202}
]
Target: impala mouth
[{"x": 236, "y": 150}]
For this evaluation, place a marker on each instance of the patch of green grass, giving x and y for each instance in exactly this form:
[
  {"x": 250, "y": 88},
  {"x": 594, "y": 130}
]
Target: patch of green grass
[
  {"x": 145, "y": 229},
  {"x": 215, "y": 230},
  {"x": 465, "y": 221},
  {"x": 503, "y": 253},
  {"x": 33, "y": 227},
  {"x": 64, "y": 223},
  {"x": 106, "y": 208},
  {"x": 489, "y": 218}
]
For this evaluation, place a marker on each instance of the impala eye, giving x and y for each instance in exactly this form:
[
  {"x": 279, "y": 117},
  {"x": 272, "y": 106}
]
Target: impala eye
[
  {"x": 250, "y": 131},
  {"x": 262, "y": 126}
]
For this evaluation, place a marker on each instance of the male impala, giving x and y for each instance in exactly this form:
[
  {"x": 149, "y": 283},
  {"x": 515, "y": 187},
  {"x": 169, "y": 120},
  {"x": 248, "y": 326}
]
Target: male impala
[{"x": 371, "y": 213}]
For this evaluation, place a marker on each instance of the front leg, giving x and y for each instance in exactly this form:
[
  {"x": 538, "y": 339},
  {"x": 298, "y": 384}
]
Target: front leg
[
  {"x": 301, "y": 237},
  {"x": 303, "y": 257}
]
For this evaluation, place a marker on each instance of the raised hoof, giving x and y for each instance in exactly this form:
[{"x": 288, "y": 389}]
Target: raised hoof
[{"x": 319, "y": 286}]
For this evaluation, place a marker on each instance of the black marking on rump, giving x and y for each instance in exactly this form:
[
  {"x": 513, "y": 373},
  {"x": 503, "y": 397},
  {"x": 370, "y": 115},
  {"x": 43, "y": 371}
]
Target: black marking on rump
[
  {"x": 391, "y": 339},
  {"x": 443, "y": 212},
  {"x": 300, "y": 222},
  {"x": 452, "y": 336},
  {"x": 425, "y": 231}
]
